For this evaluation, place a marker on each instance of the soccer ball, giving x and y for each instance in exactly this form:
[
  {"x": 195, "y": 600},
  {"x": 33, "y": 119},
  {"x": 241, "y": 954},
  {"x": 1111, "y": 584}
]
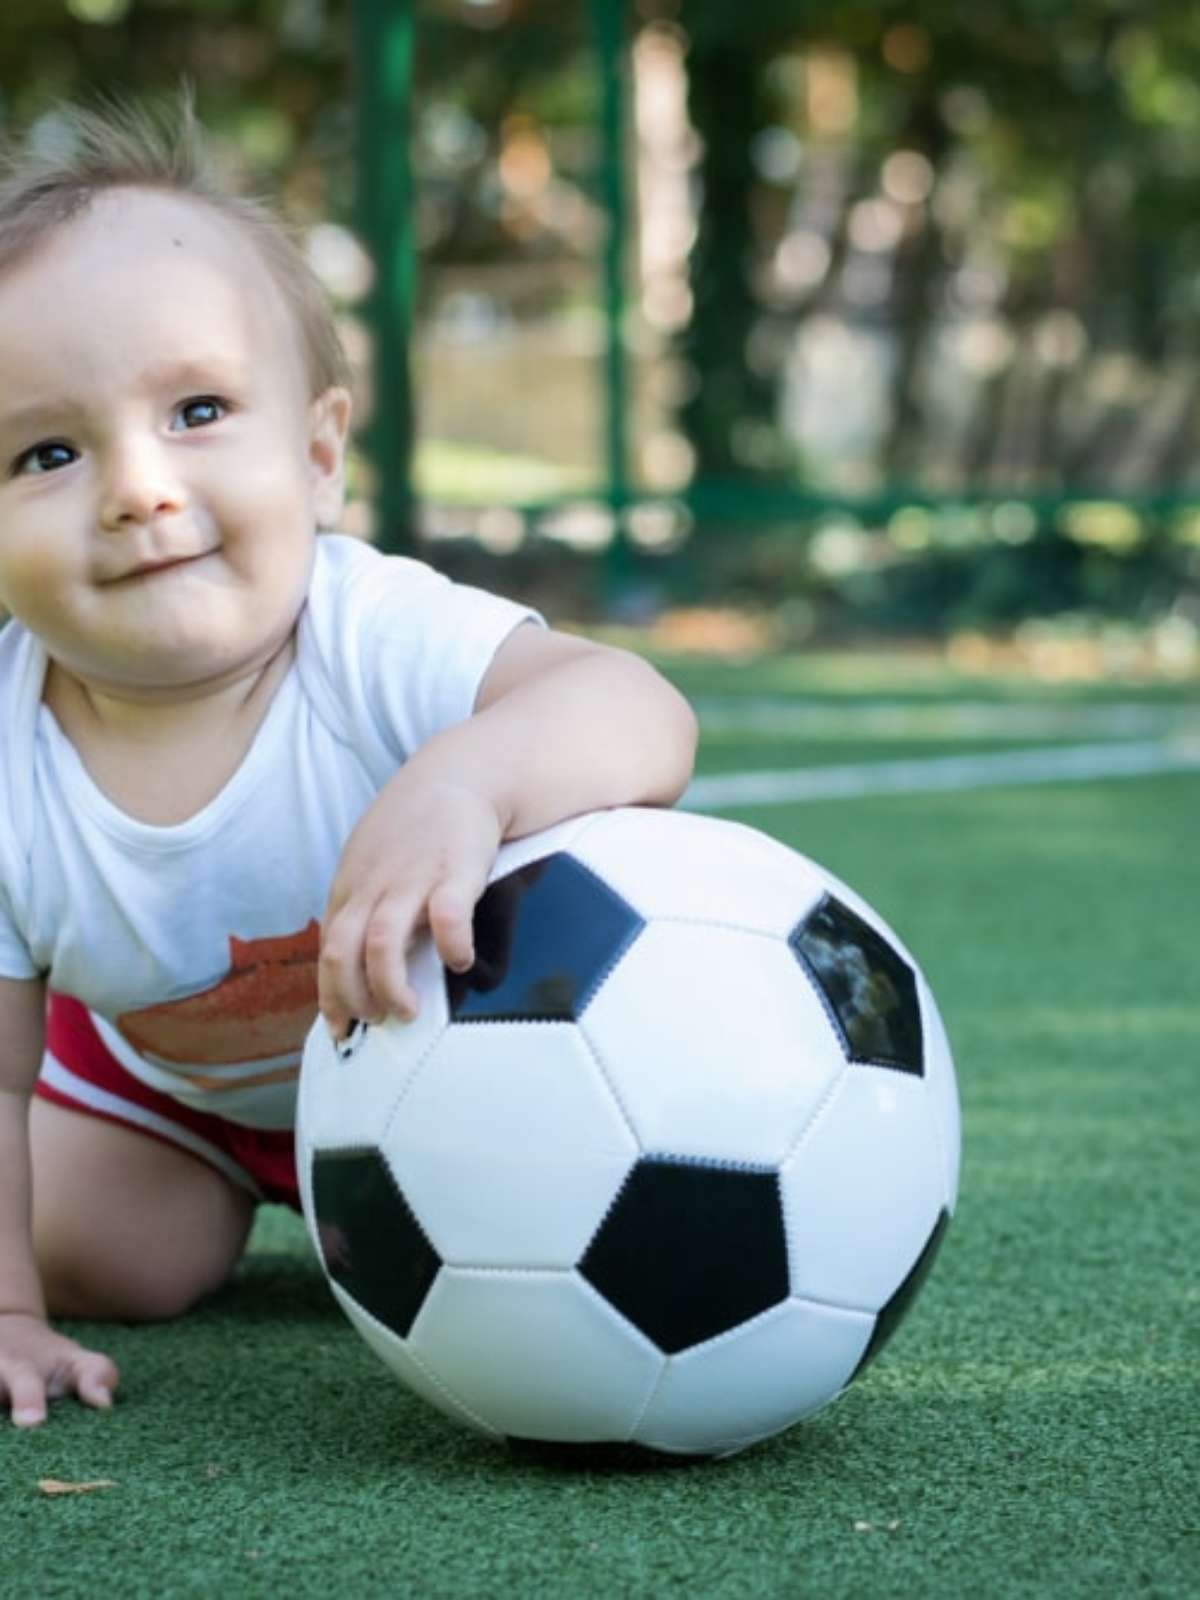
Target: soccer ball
[{"x": 666, "y": 1167}]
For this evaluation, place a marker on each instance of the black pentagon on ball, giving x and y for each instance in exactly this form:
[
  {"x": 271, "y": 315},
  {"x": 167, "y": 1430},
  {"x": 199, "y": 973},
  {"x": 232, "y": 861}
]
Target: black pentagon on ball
[
  {"x": 690, "y": 1249},
  {"x": 893, "y": 1313},
  {"x": 372, "y": 1245},
  {"x": 868, "y": 988},
  {"x": 546, "y": 937}
]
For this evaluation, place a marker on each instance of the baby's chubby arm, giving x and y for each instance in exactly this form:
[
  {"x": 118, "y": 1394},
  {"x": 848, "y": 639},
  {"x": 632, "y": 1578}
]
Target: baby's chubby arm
[
  {"x": 560, "y": 726},
  {"x": 36, "y": 1364}
]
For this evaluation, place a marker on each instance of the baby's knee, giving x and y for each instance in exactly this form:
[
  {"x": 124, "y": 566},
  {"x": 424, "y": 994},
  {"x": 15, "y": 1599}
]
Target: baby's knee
[
  {"x": 112, "y": 1290},
  {"x": 127, "y": 1228}
]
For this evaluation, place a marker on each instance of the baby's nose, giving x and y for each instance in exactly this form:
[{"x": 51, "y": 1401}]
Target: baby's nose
[{"x": 138, "y": 484}]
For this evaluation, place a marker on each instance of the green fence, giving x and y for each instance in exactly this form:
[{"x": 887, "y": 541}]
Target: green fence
[{"x": 655, "y": 272}]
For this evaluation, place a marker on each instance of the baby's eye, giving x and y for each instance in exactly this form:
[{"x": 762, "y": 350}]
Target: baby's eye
[
  {"x": 49, "y": 456},
  {"x": 199, "y": 413}
]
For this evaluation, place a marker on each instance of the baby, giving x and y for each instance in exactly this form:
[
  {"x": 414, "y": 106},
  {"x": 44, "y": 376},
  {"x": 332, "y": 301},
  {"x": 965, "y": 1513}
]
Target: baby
[{"x": 244, "y": 762}]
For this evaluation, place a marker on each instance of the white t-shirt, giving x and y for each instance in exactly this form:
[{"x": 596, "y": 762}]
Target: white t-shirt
[{"x": 194, "y": 945}]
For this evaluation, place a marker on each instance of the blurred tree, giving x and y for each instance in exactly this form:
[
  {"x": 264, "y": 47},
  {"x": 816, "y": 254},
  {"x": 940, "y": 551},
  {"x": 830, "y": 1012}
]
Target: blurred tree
[
  {"x": 480, "y": 68},
  {"x": 729, "y": 413},
  {"x": 271, "y": 78},
  {"x": 1045, "y": 195}
]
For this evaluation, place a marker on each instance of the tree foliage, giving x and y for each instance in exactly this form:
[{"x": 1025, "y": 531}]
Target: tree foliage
[
  {"x": 271, "y": 76},
  {"x": 1062, "y": 152}
]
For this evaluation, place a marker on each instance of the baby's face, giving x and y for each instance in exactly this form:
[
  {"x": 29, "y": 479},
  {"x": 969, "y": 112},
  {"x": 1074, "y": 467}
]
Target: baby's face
[{"x": 163, "y": 468}]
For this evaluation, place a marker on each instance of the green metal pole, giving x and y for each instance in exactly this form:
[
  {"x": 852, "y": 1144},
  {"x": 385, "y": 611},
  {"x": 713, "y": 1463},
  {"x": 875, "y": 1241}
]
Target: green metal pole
[
  {"x": 608, "y": 22},
  {"x": 383, "y": 32}
]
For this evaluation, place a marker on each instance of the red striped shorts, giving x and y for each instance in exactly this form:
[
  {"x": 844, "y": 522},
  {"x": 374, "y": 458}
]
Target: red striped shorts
[{"x": 80, "y": 1073}]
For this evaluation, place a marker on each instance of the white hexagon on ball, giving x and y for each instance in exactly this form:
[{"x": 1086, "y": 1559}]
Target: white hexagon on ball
[
  {"x": 536, "y": 1355},
  {"x": 878, "y": 1125},
  {"x": 346, "y": 1095},
  {"x": 677, "y": 1069},
  {"x": 942, "y": 1086},
  {"x": 755, "y": 1381},
  {"x": 400, "y": 1360},
  {"x": 735, "y": 875},
  {"x": 508, "y": 1145}
]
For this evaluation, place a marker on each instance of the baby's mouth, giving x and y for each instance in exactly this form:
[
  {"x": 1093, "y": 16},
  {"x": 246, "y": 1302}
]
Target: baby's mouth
[{"x": 151, "y": 569}]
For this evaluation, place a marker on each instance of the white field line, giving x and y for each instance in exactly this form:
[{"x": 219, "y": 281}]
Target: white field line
[
  {"x": 960, "y": 719},
  {"x": 943, "y": 774}
]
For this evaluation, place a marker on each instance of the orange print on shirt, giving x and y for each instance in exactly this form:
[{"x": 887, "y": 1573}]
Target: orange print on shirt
[{"x": 261, "y": 1009}]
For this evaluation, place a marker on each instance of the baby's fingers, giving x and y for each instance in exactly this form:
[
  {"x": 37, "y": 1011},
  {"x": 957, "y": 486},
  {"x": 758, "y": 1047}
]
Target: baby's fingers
[
  {"x": 389, "y": 932},
  {"x": 26, "y": 1391},
  {"x": 392, "y": 927},
  {"x": 451, "y": 920},
  {"x": 343, "y": 990},
  {"x": 95, "y": 1379}
]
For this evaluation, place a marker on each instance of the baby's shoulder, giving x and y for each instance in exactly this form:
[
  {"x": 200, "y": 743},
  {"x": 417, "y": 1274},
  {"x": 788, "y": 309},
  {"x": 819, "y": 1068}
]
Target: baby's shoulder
[
  {"x": 361, "y": 598},
  {"x": 347, "y": 572}
]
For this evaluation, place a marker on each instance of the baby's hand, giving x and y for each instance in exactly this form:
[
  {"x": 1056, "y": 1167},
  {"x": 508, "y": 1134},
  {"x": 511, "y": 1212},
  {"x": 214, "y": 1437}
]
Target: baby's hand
[
  {"x": 38, "y": 1365},
  {"x": 418, "y": 858}
]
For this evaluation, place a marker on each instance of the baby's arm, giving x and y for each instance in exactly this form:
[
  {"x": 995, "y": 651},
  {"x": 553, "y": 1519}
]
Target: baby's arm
[
  {"x": 560, "y": 726},
  {"x": 35, "y": 1362}
]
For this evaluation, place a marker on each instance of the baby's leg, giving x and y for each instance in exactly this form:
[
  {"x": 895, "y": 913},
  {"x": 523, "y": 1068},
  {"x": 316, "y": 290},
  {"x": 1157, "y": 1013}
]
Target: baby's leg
[{"x": 126, "y": 1226}]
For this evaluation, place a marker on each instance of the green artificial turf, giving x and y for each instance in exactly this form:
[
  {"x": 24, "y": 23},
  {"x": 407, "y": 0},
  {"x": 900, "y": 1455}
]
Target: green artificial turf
[{"x": 1032, "y": 1429}]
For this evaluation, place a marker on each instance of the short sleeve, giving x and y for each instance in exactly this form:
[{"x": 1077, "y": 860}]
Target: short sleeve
[
  {"x": 401, "y": 648},
  {"x": 15, "y": 960}
]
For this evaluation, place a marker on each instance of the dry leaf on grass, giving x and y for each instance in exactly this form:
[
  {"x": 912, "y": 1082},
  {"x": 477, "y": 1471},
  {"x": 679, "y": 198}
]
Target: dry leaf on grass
[{"x": 63, "y": 1486}]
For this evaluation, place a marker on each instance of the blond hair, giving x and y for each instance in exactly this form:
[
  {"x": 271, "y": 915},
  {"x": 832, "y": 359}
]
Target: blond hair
[{"x": 121, "y": 146}]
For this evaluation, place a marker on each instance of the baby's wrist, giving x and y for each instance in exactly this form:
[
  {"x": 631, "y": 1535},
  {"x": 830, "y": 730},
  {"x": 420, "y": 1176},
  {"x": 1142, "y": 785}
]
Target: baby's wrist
[{"x": 443, "y": 764}]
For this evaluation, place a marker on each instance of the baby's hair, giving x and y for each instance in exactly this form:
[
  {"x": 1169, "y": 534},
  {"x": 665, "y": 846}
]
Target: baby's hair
[{"x": 119, "y": 146}]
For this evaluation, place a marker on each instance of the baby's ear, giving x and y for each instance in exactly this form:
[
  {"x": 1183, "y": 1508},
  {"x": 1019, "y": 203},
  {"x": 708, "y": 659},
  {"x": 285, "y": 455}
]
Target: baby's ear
[{"x": 328, "y": 425}]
